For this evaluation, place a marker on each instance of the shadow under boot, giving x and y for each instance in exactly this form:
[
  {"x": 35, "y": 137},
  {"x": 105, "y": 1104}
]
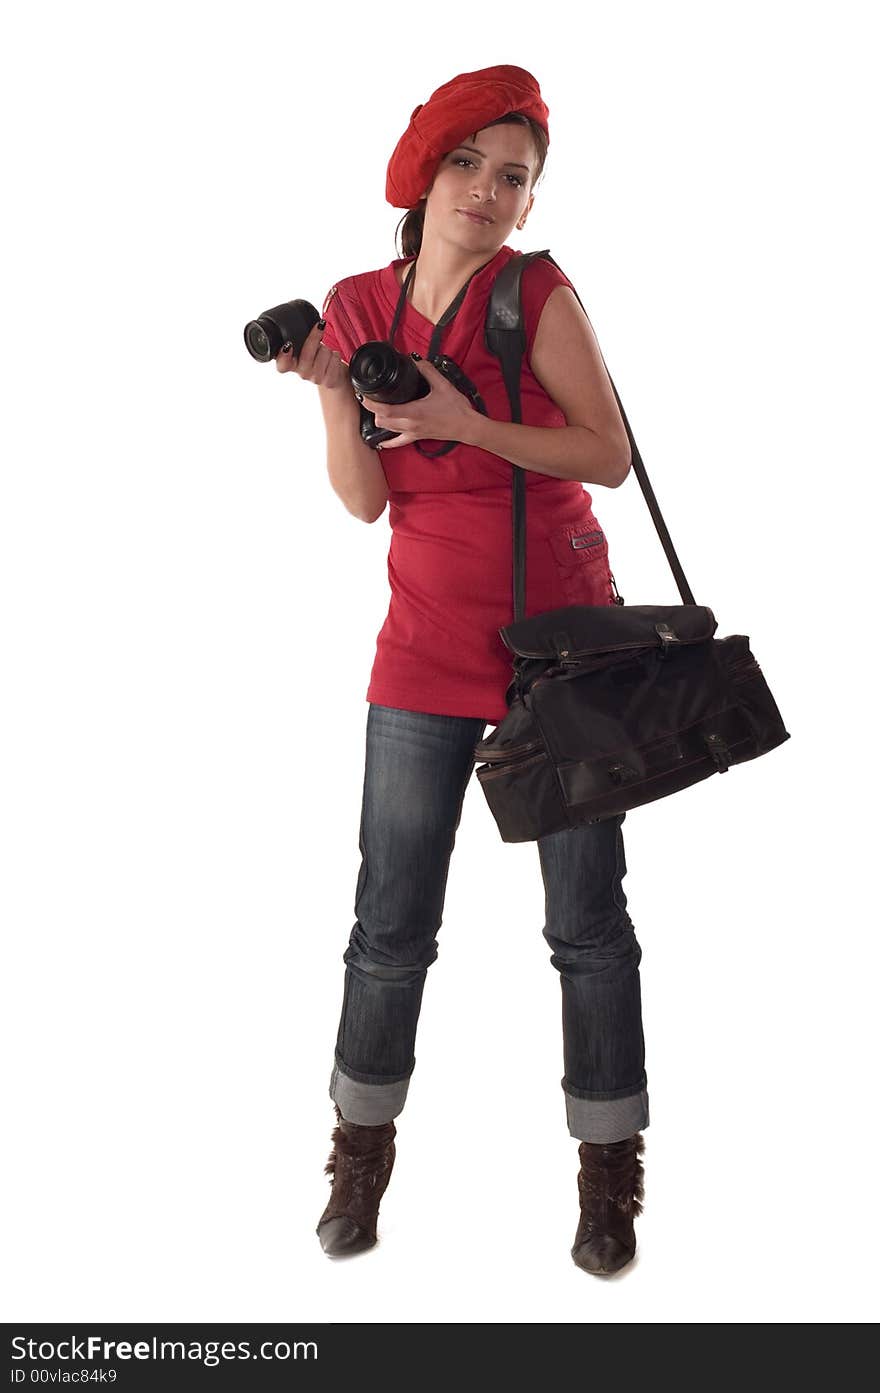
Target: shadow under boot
[
  {"x": 611, "y": 1190},
  {"x": 359, "y": 1168}
]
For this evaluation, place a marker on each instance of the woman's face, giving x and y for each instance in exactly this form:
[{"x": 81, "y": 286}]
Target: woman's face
[{"x": 491, "y": 175}]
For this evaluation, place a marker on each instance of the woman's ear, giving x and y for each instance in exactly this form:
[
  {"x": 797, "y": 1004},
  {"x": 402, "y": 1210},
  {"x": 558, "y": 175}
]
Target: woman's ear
[{"x": 522, "y": 221}]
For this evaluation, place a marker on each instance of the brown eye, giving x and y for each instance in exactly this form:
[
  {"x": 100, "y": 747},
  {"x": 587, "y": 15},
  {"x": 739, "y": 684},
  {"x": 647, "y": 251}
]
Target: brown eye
[{"x": 520, "y": 183}]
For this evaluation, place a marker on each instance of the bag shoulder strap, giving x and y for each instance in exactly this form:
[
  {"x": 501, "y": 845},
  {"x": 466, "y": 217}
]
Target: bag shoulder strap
[{"x": 506, "y": 339}]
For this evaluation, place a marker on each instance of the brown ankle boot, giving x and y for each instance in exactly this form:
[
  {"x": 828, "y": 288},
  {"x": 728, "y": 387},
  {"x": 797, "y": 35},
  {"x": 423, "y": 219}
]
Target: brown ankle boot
[
  {"x": 359, "y": 1168},
  {"x": 611, "y": 1190}
]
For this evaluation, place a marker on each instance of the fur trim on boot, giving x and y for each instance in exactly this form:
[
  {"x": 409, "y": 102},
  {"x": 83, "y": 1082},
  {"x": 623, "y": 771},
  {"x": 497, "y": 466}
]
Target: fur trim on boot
[
  {"x": 611, "y": 1189},
  {"x": 359, "y": 1167}
]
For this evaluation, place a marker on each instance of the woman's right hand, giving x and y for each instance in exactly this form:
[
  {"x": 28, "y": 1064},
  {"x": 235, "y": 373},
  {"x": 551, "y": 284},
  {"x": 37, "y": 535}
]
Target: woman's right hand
[{"x": 316, "y": 363}]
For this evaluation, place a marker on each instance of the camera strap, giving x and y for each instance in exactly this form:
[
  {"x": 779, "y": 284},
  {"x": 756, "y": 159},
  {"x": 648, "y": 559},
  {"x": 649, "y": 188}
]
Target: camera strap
[{"x": 446, "y": 317}]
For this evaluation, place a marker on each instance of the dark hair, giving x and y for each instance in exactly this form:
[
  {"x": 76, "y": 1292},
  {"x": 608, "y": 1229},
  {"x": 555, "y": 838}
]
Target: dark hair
[{"x": 412, "y": 224}]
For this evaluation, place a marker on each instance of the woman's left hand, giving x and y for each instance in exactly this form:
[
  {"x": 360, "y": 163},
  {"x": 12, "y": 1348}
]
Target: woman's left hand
[{"x": 443, "y": 414}]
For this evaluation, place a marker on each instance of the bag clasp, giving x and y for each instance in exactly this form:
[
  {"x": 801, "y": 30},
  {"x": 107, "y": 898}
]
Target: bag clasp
[
  {"x": 668, "y": 636},
  {"x": 719, "y": 750}
]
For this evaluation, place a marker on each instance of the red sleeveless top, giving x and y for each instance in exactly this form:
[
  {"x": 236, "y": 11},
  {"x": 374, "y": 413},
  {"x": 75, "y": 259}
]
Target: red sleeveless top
[{"x": 450, "y": 560}]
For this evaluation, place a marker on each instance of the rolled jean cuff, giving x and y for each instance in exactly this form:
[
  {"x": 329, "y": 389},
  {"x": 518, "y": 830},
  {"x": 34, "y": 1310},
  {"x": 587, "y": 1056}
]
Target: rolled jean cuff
[
  {"x": 606, "y": 1118},
  {"x": 369, "y": 1104}
]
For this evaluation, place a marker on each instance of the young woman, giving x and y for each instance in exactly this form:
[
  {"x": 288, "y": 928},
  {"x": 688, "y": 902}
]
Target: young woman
[{"x": 465, "y": 170}]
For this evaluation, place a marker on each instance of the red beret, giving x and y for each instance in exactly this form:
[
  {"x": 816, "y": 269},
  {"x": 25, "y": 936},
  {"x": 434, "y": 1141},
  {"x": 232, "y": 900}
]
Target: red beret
[{"x": 466, "y": 104}]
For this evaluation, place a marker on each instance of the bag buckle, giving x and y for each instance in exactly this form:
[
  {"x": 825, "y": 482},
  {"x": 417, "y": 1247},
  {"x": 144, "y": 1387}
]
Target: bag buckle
[
  {"x": 667, "y": 635},
  {"x": 620, "y": 773},
  {"x": 719, "y": 750}
]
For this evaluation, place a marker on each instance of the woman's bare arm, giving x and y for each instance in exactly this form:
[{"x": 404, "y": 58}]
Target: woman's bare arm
[{"x": 355, "y": 471}]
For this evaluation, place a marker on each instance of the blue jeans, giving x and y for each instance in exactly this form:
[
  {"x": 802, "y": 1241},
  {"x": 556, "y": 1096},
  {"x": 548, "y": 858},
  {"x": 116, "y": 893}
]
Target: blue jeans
[{"x": 417, "y": 769}]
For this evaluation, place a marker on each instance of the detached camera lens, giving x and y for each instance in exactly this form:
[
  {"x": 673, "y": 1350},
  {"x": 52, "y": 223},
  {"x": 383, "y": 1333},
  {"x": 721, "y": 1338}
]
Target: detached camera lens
[{"x": 291, "y": 322}]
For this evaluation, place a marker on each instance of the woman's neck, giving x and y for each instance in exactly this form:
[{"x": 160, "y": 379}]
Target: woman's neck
[{"x": 442, "y": 269}]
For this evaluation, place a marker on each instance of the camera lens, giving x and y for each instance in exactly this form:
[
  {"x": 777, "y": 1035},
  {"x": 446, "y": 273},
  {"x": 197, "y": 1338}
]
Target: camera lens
[
  {"x": 381, "y": 373},
  {"x": 257, "y": 341},
  {"x": 373, "y": 367},
  {"x": 291, "y": 322}
]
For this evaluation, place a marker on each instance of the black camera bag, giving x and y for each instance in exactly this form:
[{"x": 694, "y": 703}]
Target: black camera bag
[{"x": 610, "y": 706}]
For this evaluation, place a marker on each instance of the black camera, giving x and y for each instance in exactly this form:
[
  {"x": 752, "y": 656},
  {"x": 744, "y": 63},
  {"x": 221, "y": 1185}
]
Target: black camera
[
  {"x": 290, "y": 323},
  {"x": 381, "y": 373}
]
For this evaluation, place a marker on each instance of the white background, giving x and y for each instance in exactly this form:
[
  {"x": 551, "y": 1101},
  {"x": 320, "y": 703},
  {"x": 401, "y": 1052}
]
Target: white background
[{"x": 189, "y": 618}]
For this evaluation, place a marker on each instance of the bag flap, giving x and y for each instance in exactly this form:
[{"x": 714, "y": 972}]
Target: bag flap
[{"x": 576, "y": 631}]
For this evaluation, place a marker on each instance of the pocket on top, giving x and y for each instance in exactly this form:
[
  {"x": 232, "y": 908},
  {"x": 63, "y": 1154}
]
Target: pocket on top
[{"x": 580, "y": 550}]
